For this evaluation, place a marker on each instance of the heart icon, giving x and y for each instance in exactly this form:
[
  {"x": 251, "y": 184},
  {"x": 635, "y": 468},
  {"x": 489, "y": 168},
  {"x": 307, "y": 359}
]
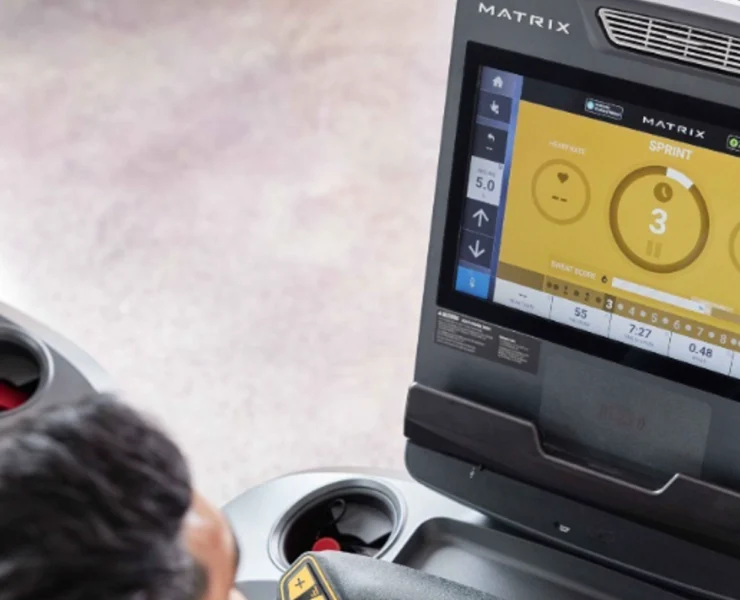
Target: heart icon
[{"x": 563, "y": 177}]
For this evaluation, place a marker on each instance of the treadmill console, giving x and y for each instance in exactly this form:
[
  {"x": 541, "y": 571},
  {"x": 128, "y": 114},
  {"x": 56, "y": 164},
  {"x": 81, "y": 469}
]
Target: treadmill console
[
  {"x": 616, "y": 219},
  {"x": 581, "y": 322}
]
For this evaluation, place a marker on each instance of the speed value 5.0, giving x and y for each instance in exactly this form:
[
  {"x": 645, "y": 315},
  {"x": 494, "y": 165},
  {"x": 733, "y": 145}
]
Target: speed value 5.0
[
  {"x": 485, "y": 183},
  {"x": 485, "y": 180}
]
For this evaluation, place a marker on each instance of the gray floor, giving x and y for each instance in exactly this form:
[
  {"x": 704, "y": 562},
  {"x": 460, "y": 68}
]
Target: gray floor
[{"x": 227, "y": 204}]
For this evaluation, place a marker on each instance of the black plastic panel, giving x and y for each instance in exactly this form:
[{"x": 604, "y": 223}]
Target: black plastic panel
[
  {"x": 684, "y": 505},
  {"x": 602, "y": 537},
  {"x": 514, "y": 569}
]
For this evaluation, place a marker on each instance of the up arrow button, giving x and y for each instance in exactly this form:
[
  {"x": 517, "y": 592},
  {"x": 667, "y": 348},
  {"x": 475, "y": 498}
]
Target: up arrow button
[{"x": 480, "y": 218}]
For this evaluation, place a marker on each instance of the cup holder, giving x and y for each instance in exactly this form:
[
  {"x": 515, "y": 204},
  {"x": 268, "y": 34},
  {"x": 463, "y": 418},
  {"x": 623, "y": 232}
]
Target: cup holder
[
  {"x": 24, "y": 369},
  {"x": 359, "y": 517}
]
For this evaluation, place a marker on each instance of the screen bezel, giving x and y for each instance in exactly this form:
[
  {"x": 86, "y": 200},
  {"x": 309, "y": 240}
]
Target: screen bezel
[{"x": 479, "y": 56}]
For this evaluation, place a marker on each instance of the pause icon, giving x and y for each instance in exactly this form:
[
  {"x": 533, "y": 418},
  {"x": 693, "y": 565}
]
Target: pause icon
[{"x": 654, "y": 249}]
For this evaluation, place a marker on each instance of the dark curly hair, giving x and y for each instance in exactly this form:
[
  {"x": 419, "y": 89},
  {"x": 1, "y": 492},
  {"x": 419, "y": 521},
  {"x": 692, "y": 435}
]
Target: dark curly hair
[{"x": 92, "y": 499}]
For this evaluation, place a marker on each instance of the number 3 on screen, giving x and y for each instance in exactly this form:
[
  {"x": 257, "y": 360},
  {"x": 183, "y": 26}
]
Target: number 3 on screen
[{"x": 661, "y": 221}]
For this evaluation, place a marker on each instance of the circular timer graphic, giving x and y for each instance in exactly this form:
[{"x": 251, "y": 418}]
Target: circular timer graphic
[
  {"x": 561, "y": 192},
  {"x": 735, "y": 247},
  {"x": 659, "y": 219}
]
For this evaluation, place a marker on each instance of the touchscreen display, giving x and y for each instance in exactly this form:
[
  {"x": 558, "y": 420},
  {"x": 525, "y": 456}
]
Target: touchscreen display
[{"x": 606, "y": 217}]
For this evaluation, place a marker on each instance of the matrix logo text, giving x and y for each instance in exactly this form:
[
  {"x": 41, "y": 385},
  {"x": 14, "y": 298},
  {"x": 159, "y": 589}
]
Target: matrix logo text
[
  {"x": 680, "y": 129},
  {"x": 524, "y": 18}
]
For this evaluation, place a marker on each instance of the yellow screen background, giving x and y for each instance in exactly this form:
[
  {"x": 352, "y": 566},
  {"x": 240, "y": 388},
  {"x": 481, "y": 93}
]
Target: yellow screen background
[{"x": 610, "y": 153}]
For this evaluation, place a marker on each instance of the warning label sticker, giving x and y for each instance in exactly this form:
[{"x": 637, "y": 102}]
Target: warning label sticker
[{"x": 487, "y": 341}]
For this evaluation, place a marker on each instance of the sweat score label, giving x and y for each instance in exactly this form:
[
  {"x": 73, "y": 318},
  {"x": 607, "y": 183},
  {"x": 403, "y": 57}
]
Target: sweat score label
[{"x": 487, "y": 341}]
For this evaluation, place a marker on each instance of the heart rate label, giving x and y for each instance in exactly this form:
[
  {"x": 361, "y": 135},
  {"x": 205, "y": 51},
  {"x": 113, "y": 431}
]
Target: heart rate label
[{"x": 561, "y": 192}]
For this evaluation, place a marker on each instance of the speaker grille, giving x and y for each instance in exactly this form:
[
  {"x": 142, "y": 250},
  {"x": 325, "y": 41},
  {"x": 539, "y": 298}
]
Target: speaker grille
[{"x": 671, "y": 40}]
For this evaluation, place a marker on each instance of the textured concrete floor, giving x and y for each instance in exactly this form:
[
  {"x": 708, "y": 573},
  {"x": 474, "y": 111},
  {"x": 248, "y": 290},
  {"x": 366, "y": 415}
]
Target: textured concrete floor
[{"x": 226, "y": 203}]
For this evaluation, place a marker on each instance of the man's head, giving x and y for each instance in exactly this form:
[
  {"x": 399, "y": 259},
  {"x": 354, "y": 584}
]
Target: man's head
[{"x": 97, "y": 503}]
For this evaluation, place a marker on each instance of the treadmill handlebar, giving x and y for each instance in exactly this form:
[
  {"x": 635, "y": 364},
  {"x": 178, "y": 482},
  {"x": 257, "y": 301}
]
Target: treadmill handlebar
[{"x": 340, "y": 576}]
